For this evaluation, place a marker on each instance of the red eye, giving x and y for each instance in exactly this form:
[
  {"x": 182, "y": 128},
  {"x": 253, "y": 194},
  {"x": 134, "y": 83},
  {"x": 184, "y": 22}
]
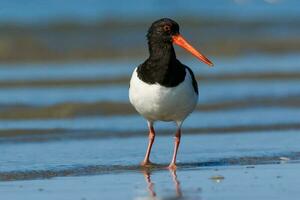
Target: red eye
[{"x": 167, "y": 28}]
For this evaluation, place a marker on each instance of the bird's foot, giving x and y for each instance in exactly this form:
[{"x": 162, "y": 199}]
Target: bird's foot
[
  {"x": 147, "y": 163},
  {"x": 172, "y": 166}
]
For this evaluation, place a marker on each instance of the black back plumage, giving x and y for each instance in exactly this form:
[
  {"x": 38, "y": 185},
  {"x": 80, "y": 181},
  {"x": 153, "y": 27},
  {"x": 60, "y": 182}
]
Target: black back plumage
[{"x": 162, "y": 67}]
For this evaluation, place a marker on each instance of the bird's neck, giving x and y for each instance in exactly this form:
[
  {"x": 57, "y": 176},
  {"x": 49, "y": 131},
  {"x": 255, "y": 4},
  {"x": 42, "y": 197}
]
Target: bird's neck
[
  {"x": 161, "y": 67},
  {"x": 162, "y": 53}
]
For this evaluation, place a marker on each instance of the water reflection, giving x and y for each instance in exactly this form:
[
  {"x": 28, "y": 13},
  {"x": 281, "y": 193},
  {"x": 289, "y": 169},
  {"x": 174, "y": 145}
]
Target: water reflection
[
  {"x": 176, "y": 183},
  {"x": 151, "y": 188},
  {"x": 150, "y": 184}
]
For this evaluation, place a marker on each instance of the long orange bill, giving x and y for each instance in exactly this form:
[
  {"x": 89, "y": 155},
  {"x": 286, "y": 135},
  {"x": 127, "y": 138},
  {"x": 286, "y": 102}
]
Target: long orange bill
[{"x": 180, "y": 41}]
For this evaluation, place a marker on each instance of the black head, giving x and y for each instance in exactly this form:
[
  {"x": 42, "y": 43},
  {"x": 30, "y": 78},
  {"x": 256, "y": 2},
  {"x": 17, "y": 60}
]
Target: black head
[
  {"x": 162, "y": 30},
  {"x": 161, "y": 36}
]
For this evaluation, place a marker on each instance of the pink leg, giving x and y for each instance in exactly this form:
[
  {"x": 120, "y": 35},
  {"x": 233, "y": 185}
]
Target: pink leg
[
  {"x": 151, "y": 140},
  {"x": 176, "y": 145}
]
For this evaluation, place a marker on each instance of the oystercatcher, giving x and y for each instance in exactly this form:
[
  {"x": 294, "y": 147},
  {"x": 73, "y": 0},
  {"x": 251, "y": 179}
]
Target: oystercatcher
[{"x": 162, "y": 88}]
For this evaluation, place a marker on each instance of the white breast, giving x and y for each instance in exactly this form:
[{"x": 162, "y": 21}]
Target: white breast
[{"x": 156, "y": 102}]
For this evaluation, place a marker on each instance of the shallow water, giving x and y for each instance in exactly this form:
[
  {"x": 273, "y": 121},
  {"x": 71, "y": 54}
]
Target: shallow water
[
  {"x": 117, "y": 153},
  {"x": 212, "y": 92},
  {"x": 268, "y": 181},
  {"x": 119, "y": 68},
  {"x": 255, "y": 164},
  {"x": 83, "y": 140},
  {"x": 245, "y": 117}
]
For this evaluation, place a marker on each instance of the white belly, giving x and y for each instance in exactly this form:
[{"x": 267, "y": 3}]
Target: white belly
[{"x": 156, "y": 102}]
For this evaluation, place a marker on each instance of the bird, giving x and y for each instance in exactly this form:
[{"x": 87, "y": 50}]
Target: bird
[{"x": 162, "y": 88}]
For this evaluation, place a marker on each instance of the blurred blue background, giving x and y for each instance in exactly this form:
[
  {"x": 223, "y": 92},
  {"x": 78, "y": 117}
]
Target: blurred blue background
[
  {"x": 31, "y": 11},
  {"x": 56, "y": 30},
  {"x": 65, "y": 67}
]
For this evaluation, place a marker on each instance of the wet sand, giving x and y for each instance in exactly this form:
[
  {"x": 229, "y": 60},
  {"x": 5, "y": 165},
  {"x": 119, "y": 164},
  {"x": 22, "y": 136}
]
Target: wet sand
[
  {"x": 241, "y": 182},
  {"x": 254, "y": 164}
]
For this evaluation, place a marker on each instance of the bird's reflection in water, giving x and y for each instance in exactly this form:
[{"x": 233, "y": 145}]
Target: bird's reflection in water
[
  {"x": 150, "y": 184},
  {"x": 177, "y": 183}
]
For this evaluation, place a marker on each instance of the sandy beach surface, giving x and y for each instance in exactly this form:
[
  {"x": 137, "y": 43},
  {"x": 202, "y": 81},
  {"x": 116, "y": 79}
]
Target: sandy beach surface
[{"x": 211, "y": 166}]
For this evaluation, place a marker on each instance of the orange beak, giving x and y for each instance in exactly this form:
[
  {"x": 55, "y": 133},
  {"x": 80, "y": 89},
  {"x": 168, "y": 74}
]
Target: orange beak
[{"x": 180, "y": 41}]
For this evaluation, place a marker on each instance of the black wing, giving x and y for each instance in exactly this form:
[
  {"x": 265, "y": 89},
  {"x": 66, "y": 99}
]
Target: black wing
[{"x": 195, "y": 85}]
